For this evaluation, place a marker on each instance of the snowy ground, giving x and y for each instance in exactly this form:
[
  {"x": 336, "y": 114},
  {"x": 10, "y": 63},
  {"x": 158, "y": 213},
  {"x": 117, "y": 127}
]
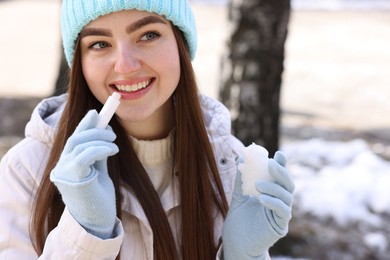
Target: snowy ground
[
  {"x": 343, "y": 180},
  {"x": 336, "y": 80}
]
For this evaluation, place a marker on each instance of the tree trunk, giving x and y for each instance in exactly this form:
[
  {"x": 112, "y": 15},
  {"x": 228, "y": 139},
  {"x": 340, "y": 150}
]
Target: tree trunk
[{"x": 253, "y": 69}]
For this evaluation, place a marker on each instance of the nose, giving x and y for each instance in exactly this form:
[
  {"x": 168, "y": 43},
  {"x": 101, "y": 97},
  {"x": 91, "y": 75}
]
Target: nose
[{"x": 126, "y": 60}]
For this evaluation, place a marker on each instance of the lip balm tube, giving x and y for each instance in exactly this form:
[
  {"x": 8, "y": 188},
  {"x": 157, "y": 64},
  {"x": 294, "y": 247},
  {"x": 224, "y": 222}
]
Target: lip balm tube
[{"x": 108, "y": 110}]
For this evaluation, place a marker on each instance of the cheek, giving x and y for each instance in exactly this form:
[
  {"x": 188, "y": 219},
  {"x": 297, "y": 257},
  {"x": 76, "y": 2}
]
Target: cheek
[
  {"x": 94, "y": 76},
  {"x": 170, "y": 64},
  {"x": 93, "y": 72},
  {"x": 88, "y": 70}
]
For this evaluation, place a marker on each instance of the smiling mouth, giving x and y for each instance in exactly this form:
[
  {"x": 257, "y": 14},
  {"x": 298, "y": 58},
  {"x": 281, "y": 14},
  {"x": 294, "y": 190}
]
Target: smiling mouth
[{"x": 133, "y": 87}]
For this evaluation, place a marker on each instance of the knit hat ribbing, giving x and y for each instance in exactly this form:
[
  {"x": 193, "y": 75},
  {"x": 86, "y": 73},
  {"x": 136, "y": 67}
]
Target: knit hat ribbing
[{"x": 76, "y": 14}]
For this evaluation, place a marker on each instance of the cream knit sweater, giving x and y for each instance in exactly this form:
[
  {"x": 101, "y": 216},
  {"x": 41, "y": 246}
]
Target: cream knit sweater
[{"x": 156, "y": 156}]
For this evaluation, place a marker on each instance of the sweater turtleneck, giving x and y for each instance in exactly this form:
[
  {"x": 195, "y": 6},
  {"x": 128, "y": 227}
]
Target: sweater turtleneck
[{"x": 156, "y": 156}]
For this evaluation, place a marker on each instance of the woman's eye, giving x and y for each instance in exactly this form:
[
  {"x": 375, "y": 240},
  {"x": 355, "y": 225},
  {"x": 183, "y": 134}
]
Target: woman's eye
[
  {"x": 99, "y": 45},
  {"x": 149, "y": 36}
]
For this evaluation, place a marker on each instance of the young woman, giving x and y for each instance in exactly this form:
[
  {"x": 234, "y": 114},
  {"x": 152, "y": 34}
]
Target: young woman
[{"x": 158, "y": 181}]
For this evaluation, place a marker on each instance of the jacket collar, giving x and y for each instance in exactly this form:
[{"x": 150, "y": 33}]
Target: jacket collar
[{"x": 44, "y": 119}]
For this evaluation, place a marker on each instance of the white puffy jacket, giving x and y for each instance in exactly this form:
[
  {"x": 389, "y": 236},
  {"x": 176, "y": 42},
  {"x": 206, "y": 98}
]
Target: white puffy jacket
[{"x": 21, "y": 170}]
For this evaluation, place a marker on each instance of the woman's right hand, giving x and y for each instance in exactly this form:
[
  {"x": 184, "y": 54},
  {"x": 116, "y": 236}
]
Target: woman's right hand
[{"x": 82, "y": 178}]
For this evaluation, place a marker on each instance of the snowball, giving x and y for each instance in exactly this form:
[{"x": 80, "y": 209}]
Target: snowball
[{"x": 254, "y": 167}]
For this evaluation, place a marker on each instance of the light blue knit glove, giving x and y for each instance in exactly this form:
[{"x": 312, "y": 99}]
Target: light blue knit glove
[
  {"x": 254, "y": 224},
  {"x": 81, "y": 177}
]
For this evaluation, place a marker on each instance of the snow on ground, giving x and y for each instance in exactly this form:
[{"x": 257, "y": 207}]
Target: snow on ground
[{"x": 343, "y": 180}]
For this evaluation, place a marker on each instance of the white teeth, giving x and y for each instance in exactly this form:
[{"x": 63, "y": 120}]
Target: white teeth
[{"x": 134, "y": 87}]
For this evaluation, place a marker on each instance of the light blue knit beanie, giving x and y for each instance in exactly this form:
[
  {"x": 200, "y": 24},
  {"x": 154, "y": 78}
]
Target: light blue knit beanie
[{"x": 75, "y": 14}]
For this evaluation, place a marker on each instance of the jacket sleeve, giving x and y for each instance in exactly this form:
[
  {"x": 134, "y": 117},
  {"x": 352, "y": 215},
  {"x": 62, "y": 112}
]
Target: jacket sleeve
[
  {"x": 16, "y": 204},
  {"x": 19, "y": 169},
  {"x": 71, "y": 239}
]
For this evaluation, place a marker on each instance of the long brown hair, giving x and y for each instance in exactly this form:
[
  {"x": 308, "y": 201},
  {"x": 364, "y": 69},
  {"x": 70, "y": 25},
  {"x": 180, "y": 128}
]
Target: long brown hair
[{"x": 201, "y": 190}]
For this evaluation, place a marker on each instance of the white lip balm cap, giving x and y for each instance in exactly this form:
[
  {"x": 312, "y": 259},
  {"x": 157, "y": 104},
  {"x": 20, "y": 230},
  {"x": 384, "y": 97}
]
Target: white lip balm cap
[{"x": 108, "y": 110}]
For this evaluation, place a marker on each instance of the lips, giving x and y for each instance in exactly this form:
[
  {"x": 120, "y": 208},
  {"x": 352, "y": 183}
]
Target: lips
[{"x": 128, "y": 88}]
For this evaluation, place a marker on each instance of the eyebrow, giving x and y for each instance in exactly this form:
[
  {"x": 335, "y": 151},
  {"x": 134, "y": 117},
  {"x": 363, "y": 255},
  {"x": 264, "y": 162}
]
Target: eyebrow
[
  {"x": 129, "y": 29},
  {"x": 94, "y": 32},
  {"x": 143, "y": 22}
]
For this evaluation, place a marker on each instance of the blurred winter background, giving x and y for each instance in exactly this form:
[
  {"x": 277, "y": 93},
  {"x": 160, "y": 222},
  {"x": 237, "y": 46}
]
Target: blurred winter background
[{"x": 335, "y": 126}]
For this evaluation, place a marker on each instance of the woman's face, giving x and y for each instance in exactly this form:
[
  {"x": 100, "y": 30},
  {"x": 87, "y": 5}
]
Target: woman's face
[{"x": 134, "y": 53}]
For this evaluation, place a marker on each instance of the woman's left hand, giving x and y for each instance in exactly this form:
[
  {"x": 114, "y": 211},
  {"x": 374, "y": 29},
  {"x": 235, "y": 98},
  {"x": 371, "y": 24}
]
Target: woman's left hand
[{"x": 254, "y": 223}]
